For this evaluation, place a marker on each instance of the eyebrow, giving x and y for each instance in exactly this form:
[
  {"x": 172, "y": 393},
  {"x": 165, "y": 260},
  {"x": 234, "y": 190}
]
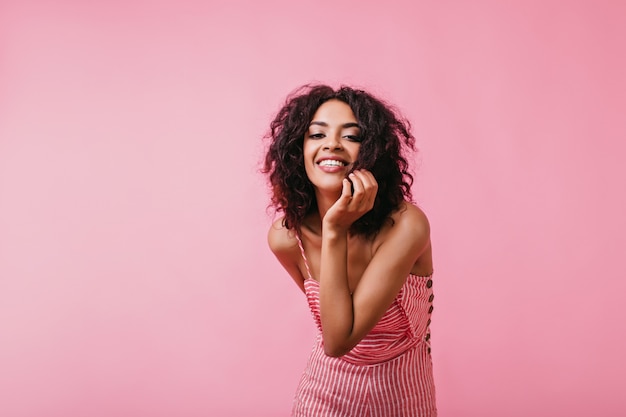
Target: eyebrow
[{"x": 344, "y": 126}]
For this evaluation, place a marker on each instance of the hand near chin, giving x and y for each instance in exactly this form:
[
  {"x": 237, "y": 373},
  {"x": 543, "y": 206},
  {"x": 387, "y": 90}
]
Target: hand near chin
[{"x": 351, "y": 205}]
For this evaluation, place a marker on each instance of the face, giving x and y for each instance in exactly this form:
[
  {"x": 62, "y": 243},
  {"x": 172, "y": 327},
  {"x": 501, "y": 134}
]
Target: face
[{"x": 331, "y": 145}]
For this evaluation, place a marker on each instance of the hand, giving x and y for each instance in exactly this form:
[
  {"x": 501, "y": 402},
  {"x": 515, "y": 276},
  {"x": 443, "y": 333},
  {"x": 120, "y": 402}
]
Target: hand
[{"x": 351, "y": 205}]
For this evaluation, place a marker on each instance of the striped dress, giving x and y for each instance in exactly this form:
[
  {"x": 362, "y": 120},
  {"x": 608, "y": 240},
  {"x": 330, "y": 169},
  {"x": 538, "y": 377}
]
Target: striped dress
[{"x": 388, "y": 374}]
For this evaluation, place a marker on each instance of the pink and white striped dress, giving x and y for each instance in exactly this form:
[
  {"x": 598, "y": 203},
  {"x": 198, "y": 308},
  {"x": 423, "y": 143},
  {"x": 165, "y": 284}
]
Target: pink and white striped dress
[{"x": 388, "y": 374}]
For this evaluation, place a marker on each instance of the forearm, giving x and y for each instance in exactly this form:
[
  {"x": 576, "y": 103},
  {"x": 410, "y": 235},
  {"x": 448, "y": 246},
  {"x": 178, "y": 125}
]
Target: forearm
[{"x": 336, "y": 307}]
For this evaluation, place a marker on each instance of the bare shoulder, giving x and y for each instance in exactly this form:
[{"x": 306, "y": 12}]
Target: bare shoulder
[
  {"x": 408, "y": 238},
  {"x": 280, "y": 239},
  {"x": 411, "y": 220},
  {"x": 409, "y": 228},
  {"x": 284, "y": 245}
]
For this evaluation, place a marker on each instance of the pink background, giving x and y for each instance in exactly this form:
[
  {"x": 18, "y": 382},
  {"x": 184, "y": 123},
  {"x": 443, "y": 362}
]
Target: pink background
[{"x": 134, "y": 275}]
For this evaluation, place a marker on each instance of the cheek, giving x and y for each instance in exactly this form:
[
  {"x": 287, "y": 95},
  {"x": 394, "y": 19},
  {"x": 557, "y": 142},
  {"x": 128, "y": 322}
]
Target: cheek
[
  {"x": 306, "y": 147},
  {"x": 308, "y": 163},
  {"x": 308, "y": 152}
]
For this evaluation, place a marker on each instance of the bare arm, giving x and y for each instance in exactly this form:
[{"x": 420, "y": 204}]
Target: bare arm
[{"x": 347, "y": 318}]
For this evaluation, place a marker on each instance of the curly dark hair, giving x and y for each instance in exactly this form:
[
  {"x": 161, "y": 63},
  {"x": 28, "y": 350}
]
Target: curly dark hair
[{"x": 386, "y": 140}]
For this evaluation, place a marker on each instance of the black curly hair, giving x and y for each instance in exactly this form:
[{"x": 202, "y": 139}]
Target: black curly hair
[{"x": 386, "y": 140}]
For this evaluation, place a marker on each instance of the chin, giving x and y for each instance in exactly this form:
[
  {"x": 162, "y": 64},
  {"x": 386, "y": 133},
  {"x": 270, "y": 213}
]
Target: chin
[{"x": 329, "y": 187}]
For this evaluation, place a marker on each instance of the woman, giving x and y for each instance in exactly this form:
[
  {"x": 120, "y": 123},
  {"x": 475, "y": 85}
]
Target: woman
[{"x": 358, "y": 248}]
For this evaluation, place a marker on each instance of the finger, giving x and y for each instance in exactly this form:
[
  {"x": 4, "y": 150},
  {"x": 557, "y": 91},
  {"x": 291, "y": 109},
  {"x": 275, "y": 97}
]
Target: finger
[
  {"x": 367, "y": 178},
  {"x": 370, "y": 187},
  {"x": 359, "y": 188},
  {"x": 346, "y": 190}
]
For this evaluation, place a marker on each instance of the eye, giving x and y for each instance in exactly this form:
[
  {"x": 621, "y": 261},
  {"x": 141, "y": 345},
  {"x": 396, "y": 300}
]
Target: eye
[
  {"x": 353, "y": 138},
  {"x": 316, "y": 135}
]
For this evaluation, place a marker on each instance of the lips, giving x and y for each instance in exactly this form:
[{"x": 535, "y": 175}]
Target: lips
[
  {"x": 331, "y": 162},
  {"x": 332, "y": 165}
]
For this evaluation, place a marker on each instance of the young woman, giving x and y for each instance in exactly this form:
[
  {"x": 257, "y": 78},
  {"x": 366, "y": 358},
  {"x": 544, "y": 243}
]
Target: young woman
[{"x": 358, "y": 248}]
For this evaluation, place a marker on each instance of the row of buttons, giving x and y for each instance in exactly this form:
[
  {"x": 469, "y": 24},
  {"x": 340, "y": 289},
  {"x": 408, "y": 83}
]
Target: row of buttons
[{"x": 429, "y": 284}]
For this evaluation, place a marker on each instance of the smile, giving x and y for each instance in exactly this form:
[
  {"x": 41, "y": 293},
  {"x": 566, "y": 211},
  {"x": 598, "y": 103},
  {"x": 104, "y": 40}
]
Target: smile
[{"x": 331, "y": 163}]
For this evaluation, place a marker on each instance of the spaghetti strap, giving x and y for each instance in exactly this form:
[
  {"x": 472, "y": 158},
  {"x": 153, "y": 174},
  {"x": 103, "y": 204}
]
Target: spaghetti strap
[{"x": 306, "y": 262}]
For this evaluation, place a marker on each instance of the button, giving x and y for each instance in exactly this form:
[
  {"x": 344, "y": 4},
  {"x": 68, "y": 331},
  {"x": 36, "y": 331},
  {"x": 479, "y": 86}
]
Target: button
[
  {"x": 427, "y": 337},
  {"x": 429, "y": 283},
  {"x": 431, "y": 298},
  {"x": 430, "y": 310}
]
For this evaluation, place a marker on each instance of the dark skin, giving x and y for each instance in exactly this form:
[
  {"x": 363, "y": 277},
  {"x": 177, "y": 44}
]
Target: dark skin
[{"x": 358, "y": 277}]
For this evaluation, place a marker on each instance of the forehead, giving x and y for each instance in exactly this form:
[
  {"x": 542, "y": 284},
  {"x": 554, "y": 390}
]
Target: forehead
[{"x": 334, "y": 110}]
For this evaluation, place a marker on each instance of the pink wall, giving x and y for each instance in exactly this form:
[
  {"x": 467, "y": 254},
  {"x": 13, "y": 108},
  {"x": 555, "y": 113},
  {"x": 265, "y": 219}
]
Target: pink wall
[{"x": 134, "y": 274}]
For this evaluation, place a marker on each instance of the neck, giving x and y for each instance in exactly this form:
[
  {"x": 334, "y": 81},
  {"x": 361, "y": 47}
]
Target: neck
[{"x": 325, "y": 202}]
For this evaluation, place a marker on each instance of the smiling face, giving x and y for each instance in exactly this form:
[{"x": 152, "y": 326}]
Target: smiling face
[{"x": 331, "y": 145}]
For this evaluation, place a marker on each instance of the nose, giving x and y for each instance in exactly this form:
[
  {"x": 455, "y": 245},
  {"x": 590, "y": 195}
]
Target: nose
[{"x": 333, "y": 141}]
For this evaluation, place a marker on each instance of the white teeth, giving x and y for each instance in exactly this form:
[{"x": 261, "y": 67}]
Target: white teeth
[{"x": 331, "y": 163}]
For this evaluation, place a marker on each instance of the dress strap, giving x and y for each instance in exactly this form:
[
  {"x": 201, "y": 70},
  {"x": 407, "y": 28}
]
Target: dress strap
[{"x": 306, "y": 262}]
